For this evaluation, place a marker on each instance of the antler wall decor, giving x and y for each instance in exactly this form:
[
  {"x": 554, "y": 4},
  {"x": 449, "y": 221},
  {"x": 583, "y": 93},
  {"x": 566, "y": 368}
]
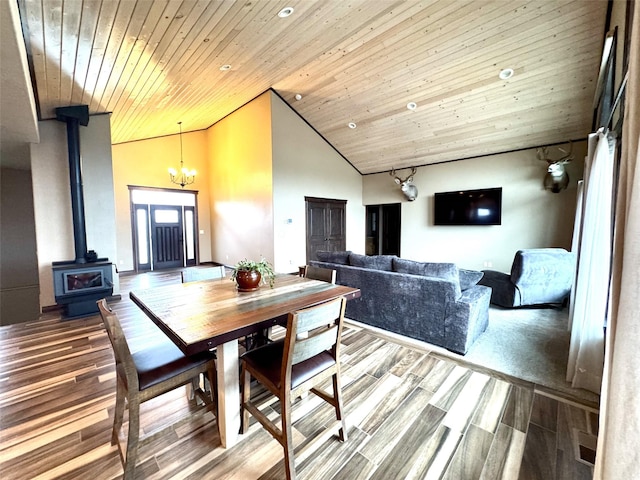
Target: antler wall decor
[
  {"x": 407, "y": 187},
  {"x": 556, "y": 178}
]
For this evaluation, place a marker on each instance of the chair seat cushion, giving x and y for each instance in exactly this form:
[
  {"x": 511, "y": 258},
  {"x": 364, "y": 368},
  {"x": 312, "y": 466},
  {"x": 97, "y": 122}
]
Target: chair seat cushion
[
  {"x": 268, "y": 361},
  {"x": 163, "y": 361}
]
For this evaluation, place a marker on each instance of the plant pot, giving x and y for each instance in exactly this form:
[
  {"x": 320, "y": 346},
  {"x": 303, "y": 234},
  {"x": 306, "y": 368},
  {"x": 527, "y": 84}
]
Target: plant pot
[{"x": 248, "y": 280}]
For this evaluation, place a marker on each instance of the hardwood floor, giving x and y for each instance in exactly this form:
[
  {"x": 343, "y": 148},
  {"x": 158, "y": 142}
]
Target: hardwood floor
[{"x": 411, "y": 414}]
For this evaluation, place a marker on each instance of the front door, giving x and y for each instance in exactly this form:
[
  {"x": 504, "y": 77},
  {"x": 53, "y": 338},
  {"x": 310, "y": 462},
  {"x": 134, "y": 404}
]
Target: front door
[{"x": 167, "y": 236}]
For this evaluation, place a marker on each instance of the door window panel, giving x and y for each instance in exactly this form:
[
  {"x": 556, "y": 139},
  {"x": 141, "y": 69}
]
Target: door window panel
[
  {"x": 189, "y": 229},
  {"x": 166, "y": 216},
  {"x": 143, "y": 238}
]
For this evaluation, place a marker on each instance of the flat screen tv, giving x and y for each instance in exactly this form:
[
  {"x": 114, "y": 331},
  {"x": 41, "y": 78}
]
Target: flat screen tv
[{"x": 468, "y": 207}]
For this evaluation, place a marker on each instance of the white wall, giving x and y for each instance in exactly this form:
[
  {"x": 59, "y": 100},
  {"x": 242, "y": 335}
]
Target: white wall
[
  {"x": 52, "y": 197},
  {"x": 51, "y": 203},
  {"x": 97, "y": 177},
  {"x": 304, "y": 164},
  {"x": 531, "y": 216}
]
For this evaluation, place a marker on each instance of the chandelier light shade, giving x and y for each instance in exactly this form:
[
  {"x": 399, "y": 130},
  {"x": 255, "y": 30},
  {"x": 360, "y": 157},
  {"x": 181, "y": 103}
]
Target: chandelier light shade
[{"x": 184, "y": 176}]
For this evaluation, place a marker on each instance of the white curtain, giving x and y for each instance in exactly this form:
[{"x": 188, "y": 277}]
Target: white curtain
[
  {"x": 575, "y": 245},
  {"x": 618, "y": 454},
  {"x": 591, "y": 288}
]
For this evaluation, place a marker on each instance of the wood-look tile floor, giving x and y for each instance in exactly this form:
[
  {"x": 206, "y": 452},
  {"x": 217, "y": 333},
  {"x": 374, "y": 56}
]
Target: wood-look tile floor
[{"x": 411, "y": 414}]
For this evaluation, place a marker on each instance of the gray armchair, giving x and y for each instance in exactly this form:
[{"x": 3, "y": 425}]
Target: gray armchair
[{"x": 538, "y": 276}]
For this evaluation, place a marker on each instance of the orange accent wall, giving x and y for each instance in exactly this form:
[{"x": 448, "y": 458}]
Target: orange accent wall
[{"x": 241, "y": 184}]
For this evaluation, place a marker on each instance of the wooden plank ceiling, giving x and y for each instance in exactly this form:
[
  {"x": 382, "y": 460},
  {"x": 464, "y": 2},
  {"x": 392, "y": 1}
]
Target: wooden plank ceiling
[{"x": 155, "y": 63}]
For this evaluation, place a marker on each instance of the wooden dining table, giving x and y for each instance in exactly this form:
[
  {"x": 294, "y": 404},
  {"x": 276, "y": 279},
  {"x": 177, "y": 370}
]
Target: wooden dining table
[{"x": 200, "y": 316}]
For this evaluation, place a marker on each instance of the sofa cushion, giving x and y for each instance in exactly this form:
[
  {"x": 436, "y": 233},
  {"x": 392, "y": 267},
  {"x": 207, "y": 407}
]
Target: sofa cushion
[
  {"x": 445, "y": 271},
  {"x": 468, "y": 278},
  {"x": 412, "y": 267},
  {"x": 357, "y": 260},
  {"x": 375, "y": 262},
  {"x": 341, "y": 258},
  {"x": 386, "y": 262}
]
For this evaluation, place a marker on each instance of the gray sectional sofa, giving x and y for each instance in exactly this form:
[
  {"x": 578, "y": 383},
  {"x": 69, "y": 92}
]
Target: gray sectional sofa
[{"x": 434, "y": 302}]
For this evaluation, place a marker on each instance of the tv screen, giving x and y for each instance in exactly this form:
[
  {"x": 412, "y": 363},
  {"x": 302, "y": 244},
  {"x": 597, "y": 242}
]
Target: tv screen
[{"x": 468, "y": 207}]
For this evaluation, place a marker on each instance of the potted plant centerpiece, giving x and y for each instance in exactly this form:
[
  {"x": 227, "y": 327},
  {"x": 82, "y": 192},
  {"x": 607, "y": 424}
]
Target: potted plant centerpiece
[{"x": 248, "y": 274}]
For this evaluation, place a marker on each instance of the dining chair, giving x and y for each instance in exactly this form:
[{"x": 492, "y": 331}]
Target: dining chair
[
  {"x": 319, "y": 273},
  {"x": 295, "y": 365},
  {"x": 193, "y": 274},
  {"x": 146, "y": 374}
]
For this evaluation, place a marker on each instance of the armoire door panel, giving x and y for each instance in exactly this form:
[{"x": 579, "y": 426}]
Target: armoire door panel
[{"x": 326, "y": 226}]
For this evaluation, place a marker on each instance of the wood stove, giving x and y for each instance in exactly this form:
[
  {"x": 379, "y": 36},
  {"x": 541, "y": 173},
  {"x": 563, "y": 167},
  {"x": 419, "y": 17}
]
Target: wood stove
[
  {"x": 79, "y": 283},
  {"x": 78, "y": 286}
]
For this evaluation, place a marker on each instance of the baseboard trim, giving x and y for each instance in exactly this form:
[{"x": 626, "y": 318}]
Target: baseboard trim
[
  {"x": 52, "y": 308},
  {"x": 60, "y": 308}
]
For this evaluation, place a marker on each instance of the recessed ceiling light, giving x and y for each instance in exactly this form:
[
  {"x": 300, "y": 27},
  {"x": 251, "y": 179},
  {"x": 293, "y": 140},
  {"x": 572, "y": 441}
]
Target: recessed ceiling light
[
  {"x": 351, "y": 125},
  {"x": 285, "y": 12},
  {"x": 412, "y": 105},
  {"x": 298, "y": 96},
  {"x": 506, "y": 73},
  {"x": 224, "y": 68}
]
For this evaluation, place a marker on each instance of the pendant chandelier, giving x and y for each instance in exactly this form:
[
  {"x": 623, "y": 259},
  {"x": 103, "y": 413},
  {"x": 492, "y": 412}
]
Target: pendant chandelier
[{"x": 184, "y": 176}]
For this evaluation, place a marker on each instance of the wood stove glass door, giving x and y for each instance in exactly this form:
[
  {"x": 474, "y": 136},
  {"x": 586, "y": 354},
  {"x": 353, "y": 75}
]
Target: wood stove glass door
[{"x": 167, "y": 236}]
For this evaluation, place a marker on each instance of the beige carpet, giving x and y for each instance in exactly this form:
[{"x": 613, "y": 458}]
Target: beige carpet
[{"x": 531, "y": 344}]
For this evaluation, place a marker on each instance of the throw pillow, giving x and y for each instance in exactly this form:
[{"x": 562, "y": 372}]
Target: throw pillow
[{"x": 468, "y": 278}]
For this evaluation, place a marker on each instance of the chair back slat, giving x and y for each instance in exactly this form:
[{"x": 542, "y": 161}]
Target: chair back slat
[
  {"x": 314, "y": 317},
  {"x": 194, "y": 274},
  {"x": 121, "y": 351},
  {"x": 319, "y": 273},
  {"x": 305, "y": 348},
  {"x": 314, "y": 330}
]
